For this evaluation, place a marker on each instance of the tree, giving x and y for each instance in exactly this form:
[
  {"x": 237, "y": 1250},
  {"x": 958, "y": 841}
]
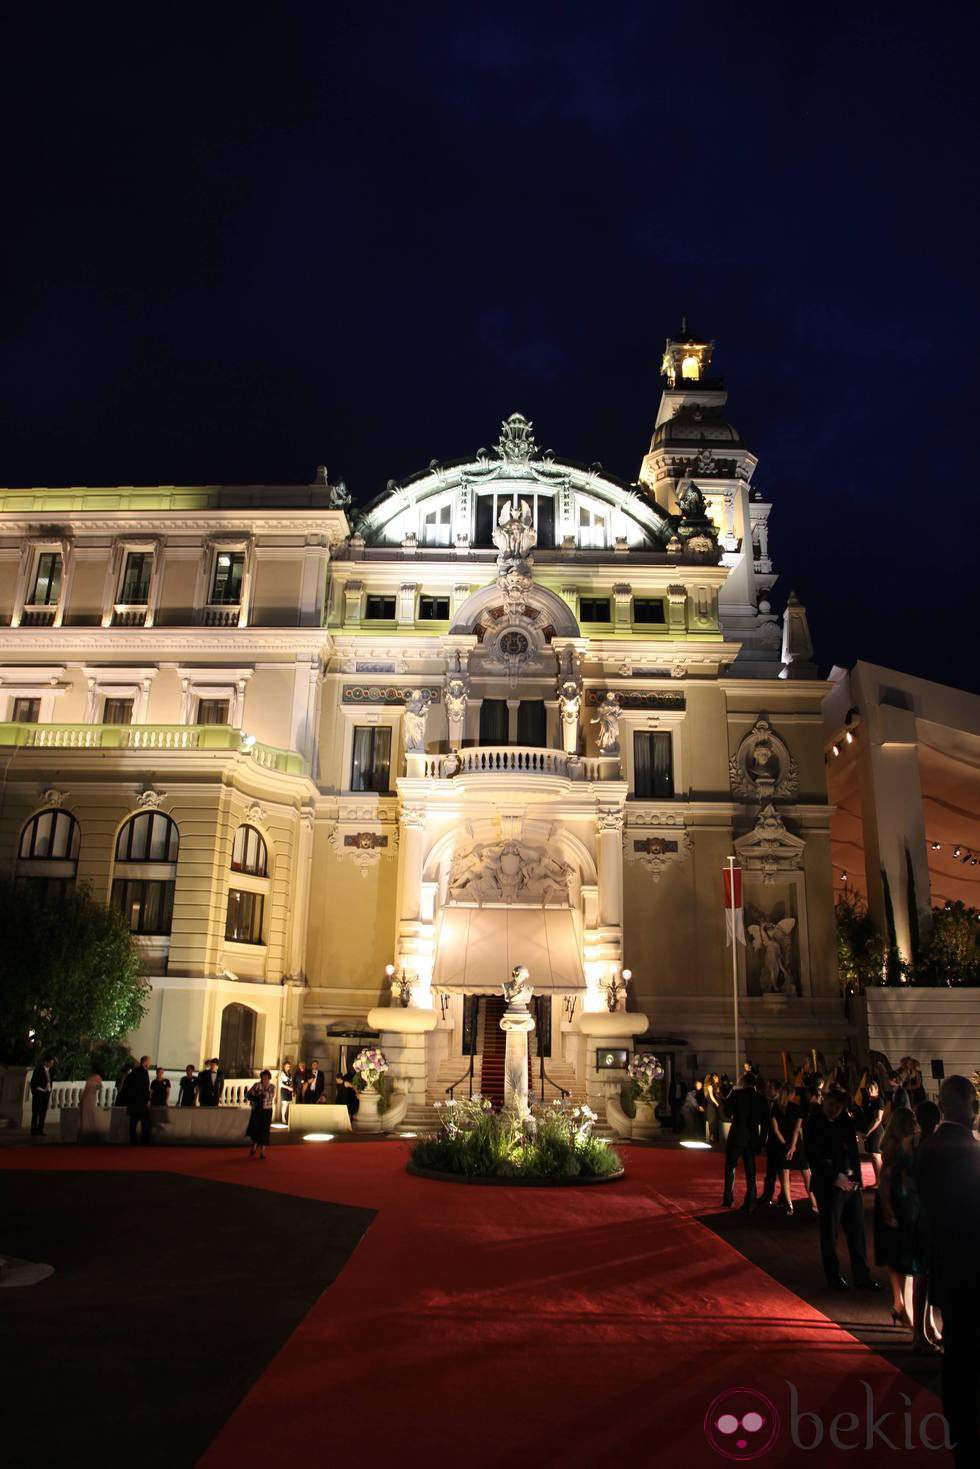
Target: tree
[
  {"x": 860, "y": 949},
  {"x": 69, "y": 976},
  {"x": 952, "y": 955}
]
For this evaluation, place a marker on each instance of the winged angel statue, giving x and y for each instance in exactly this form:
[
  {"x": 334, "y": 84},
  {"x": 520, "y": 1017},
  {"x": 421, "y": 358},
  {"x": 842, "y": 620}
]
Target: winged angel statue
[
  {"x": 771, "y": 941},
  {"x": 514, "y": 536}
]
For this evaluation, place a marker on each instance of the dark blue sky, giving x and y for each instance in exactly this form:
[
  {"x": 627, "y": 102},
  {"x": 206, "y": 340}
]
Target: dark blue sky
[{"x": 242, "y": 240}]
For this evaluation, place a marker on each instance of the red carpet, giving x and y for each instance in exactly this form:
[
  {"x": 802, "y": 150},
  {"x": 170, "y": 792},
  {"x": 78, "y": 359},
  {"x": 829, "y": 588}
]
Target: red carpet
[{"x": 573, "y": 1327}]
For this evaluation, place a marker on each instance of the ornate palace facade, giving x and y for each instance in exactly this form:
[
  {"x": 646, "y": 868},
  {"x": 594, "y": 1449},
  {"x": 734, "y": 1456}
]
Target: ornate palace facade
[{"x": 514, "y": 711}]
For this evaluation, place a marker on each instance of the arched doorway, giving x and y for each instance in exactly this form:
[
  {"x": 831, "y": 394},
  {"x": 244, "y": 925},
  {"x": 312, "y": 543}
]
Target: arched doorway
[{"x": 236, "y": 1048}]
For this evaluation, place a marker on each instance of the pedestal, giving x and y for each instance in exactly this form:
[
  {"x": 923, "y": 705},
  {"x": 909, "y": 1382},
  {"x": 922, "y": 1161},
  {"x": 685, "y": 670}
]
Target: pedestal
[
  {"x": 366, "y": 1117},
  {"x": 516, "y": 1023},
  {"x": 646, "y": 1123}
]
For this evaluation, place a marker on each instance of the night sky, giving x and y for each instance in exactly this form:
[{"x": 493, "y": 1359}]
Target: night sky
[{"x": 239, "y": 241}]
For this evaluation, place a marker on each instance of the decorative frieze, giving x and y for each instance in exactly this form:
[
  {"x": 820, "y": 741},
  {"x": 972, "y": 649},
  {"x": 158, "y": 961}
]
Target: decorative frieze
[
  {"x": 636, "y": 699},
  {"x": 377, "y": 693}
]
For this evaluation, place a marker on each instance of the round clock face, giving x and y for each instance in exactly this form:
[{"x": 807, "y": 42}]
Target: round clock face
[{"x": 514, "y": 644}]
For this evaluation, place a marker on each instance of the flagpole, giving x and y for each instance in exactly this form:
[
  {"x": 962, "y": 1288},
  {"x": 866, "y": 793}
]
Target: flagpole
[{"x": 734, "y": 936}]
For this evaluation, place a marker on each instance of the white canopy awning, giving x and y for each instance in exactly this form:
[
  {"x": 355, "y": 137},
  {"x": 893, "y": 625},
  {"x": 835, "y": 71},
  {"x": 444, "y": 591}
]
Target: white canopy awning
[{"x": 478, "y": 947}]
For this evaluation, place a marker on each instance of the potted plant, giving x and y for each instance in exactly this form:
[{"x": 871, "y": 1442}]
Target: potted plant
[
  {"x": 646, "y": 1081},
  {"x": 370, "y": 1065}
]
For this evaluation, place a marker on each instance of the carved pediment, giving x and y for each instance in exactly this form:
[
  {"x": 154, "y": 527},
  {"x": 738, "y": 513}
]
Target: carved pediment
[{"x": 769, "y": 848}]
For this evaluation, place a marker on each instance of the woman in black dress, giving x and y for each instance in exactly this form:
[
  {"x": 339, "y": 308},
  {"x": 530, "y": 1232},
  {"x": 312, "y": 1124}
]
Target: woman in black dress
[
  {"x": 781, "y": 1129},
  {"x": 346, "y": 1094},
  {"x": 712, "y": 1104},
  {"x": 897, "y": 1231},
  {"x": 871, "y": 1123},
  {"x": 261, "y": 1099},
  {"x": 800, "y": 1107}
]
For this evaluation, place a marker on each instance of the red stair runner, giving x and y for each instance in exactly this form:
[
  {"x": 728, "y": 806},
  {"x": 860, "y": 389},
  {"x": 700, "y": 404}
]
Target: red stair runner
[{"x": 494, "y": 1048}]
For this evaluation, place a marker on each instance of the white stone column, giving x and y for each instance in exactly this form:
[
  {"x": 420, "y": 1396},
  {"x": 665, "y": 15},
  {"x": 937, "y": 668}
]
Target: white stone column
[
  {"x": 609, "y": 825},
  {"x": 302, "y": 870}
]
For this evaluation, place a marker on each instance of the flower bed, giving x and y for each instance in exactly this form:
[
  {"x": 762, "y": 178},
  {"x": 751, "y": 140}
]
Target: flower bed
[{"x": 553, "y": 1144}]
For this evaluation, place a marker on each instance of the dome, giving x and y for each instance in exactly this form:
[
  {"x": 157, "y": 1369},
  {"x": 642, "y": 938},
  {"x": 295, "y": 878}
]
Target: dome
[{"x": 696, "y": 424}]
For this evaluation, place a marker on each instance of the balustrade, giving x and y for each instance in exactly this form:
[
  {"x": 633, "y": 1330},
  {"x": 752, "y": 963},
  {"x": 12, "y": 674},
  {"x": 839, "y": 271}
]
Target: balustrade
[
  {"x": 512, "y": 760},
  {"x": 69, "y": 1093},
  {"x": 150, "y": 737}
]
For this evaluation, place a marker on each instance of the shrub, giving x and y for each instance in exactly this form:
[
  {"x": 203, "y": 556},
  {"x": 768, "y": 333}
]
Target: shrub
[{"x": 554, "y": 1141}]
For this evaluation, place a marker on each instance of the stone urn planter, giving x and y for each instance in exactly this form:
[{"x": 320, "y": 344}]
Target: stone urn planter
[
  {"x": 366, "y": 1117},
  {"x": 645, "y": 1123}
]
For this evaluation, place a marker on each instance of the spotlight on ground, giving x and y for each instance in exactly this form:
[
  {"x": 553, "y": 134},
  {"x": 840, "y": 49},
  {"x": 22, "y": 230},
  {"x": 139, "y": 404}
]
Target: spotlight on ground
[
  {"x": 280, "y": 1126},
  {"x": 318, "y": 1137},
  {"x": 692, "y": 1142},
  {"x": 408, "y": 1134}
]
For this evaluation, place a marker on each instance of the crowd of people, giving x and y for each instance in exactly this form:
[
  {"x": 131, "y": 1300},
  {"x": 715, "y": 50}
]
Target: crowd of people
[{"x": 925, "y": 1164}]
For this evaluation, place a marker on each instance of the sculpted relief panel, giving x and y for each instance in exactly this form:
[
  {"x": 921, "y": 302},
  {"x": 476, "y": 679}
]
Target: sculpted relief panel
[{"x": 509, "y": 872}]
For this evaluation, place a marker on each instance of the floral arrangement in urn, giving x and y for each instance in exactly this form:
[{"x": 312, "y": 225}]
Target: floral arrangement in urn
[
  {"x": 646, "y": 1079},
  {"x": 369, "y": 1067}
]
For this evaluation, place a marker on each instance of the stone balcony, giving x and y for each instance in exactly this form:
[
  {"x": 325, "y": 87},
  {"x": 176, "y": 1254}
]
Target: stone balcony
[
  {"x": 520, "y": 760},
  {"x": 162, "y": 737}
]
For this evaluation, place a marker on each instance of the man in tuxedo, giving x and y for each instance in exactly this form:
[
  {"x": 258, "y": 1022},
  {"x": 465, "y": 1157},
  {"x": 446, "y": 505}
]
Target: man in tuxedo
[
  {"x": 138, "y": 1103},
  {"x": 314, "y": 1083},
  {"x": 747, "y": 1113},
  {"x": 40, "y": 1094},
  {"x": 835, "y": 1177},
  {"x": 947, "y": 1174},
  {"x": 210, "y": 1084}
]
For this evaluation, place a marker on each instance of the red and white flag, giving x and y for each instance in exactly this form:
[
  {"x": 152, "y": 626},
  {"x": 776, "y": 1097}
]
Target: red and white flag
[{"x": 734, "y": 913}]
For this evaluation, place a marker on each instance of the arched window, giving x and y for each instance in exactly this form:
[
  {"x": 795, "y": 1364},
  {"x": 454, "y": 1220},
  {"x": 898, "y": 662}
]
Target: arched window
[
  {"x": 249, "y": 854},
  {"x": 146, "y": 872},
  {"x": 245, "y": 916},
  {"x": 48, "y": 850},
  {"x": 691, "y": 368},
  {"x": 236, "y": 1048}
]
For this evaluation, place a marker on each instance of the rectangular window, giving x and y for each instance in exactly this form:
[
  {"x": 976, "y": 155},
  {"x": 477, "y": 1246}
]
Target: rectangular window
[
  {"x": 648, "y": 609},
  {"x": 380, "y": 609},
  {"x": 229, "y": 569},
  {"x": 545, "y": 522},
  {"x": 493, "y": 722},
  {"x": 26, "y": 711},
  {"x": 593, "y": 609},
  {"x": 437, "y": 526},
  {"x": 243, "y": 923},
  {"x": 591, "y": 528},
  {"x": 531, "y": 723},
  {"x": 135, "y": 588},
  {"x": 117, "y": 711},
  {"x": 47, "y": 580},
  {"x": 484, "y": 520},
  {"x": 653, "y": 764},
  {"x": 433, "y": 609},
  {"x": 372, "y": 758},
  {"x": 148, "y": 906},
  {"x": 212, "y": 711}
]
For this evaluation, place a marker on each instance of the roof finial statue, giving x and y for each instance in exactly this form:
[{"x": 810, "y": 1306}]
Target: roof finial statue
[
  {"x": 797, "y": 656},
  {"x": 516, "y": 443},
  {"x": 683, "y": 328}
]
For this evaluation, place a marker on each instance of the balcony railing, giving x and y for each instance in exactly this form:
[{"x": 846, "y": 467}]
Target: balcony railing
[
  {"x": 150, "y": 737},
  {"x": 523, "y": 760},
  {"x": 40, "y": 615},
  {"x": 129, "y": 614}
]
